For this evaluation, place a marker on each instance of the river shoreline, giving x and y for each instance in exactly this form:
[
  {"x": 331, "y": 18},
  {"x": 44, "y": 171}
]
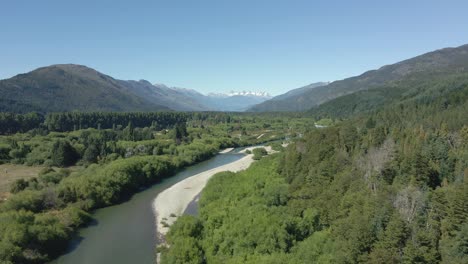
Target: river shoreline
[
  {"x": 124, "y": 233},
  {"x": 172, "y": 202},
  {"x": 227, "y": 150}
]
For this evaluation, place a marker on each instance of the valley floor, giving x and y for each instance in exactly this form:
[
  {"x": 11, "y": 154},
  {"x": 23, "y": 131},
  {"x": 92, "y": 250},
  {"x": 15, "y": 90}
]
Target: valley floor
[{"x": 172, "y": 202}]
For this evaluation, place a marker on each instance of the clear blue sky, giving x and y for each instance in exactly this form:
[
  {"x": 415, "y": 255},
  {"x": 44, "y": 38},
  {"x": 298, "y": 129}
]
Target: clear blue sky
[{"x": 215, "y": 46}]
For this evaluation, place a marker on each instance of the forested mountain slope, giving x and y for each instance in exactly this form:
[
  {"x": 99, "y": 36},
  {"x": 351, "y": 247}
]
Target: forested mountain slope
[
  {"x": 417, "y": 87},
  {"x": 68, "y": 87},
  {"x": 436, "y": 63},
  {"x": 281, "y": 101},
  {"x": 384, "y": 186},
  {"x": 174, "y": 98}
]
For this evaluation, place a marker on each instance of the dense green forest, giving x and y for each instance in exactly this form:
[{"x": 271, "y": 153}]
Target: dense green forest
[
  {"x": 416, "y": 88},
  {"x": 387, "y": 185},
  {"x": 110, "y": 163},
  {"x": 11, "y": 123}
]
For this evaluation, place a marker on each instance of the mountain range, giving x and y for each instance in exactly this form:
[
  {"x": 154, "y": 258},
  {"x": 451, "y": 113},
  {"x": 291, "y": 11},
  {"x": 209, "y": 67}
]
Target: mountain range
[{"x": 70, "y": 87}]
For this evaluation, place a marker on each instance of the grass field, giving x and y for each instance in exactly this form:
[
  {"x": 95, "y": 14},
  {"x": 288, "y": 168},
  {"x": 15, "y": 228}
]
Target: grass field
[{"x": 11, "y": 172}]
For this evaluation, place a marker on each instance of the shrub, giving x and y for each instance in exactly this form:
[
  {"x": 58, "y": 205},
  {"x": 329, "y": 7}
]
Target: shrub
[
  {"x": 259, "y": 153},
  {"x": 18, "y": 185}
]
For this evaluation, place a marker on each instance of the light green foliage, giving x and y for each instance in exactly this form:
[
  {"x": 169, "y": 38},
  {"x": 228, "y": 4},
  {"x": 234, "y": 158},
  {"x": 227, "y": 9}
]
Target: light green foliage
[
  {"x": 324, "y": 122},
  {"x": 25, "y": 236},
  {"x": 276, "y": 146},
  {"x": 18, "y": 185},
  {"x": 259, "y": 220},
  {"x": 259, "y": 153}
]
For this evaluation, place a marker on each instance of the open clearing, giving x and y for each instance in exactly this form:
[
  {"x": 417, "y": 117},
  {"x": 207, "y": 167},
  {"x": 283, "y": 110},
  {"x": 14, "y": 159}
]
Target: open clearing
[{"x": 12, "y": 172}]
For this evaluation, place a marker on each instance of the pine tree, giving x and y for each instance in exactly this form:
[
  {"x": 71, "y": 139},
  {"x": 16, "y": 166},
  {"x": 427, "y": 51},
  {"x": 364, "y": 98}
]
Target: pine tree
[{"x": 63, "y": 154}]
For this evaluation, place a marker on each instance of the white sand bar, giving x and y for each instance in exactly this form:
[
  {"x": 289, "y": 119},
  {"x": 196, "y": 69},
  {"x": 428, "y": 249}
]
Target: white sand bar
[
  {"x": 175, "y": 199},
  {"x": 226, "y": 150}
]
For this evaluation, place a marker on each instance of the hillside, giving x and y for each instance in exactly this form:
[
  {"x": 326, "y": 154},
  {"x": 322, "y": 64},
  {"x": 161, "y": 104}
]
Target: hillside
[
  {"x": 69, "y": 87},
  {"x": 174, "y": 98},
  {"x": 436, "y": 63},
  {"x": 280, "y": 101},
  {"x": 420, "y": 87}
]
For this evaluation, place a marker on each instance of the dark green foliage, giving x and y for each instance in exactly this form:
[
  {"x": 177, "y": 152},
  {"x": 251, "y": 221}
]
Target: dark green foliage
[
  {"x": 185, "y": 233},
  {"x": 91, "y": 154},
  {"x": 25, "y": 236},
  {"x": 391, "y": 242},
  {"x": 180, "y": 132},
  {"x": 416, "y": 89},
  {"x": 12, "y": 123},
  {"x": 79, "y": 120},
  {"x": 63, "y": 154}
]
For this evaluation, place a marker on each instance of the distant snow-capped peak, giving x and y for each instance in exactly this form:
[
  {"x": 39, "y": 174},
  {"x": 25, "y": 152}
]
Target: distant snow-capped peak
[
  {"x": 249, "y": 93},
  {"x": 241, "y": 93}
]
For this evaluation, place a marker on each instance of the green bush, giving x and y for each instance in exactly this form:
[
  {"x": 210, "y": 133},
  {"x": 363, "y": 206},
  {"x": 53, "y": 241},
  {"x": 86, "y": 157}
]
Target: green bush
[
  {"x": 259, "y": 153},
  {"x": 18, "y": 185},
  {"x": 276, "y": 146},
  {"x": 53, "y": 176}
]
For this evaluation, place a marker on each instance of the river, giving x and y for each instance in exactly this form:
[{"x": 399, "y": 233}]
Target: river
[{"x": 125, "y": 233}]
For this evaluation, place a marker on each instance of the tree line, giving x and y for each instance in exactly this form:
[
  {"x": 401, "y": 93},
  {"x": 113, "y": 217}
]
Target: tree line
[{"x": 11, "y": 123}]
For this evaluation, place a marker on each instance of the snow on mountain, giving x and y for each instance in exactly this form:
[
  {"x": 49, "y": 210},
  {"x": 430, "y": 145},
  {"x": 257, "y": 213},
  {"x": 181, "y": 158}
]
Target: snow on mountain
[{"x": 249, "y": 93}]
